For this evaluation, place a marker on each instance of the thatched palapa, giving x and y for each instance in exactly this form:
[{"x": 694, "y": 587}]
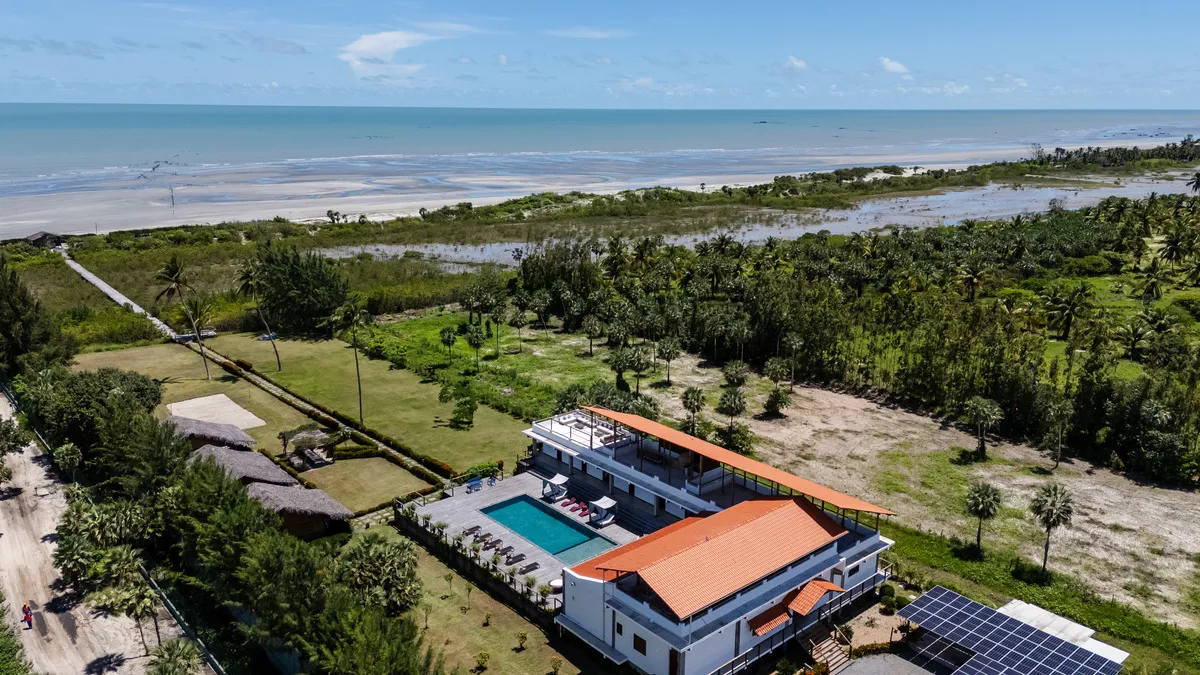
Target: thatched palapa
[
  {"x": 299, "y": 501},
  {"x": 211, "y": 433},
  {"x": 245, "y": 466}
]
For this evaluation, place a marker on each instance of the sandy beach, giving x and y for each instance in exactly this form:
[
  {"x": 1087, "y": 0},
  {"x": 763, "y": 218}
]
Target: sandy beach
[{"x": 253, "y": 193}]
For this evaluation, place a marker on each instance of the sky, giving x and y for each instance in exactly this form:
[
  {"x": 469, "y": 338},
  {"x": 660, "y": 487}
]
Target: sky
[{"x": 614, "y": 54}]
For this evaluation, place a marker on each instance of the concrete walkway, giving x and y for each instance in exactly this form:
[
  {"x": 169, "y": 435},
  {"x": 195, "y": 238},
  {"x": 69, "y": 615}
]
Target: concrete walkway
[
  {"x": 67, "y": 637},
  {"x": 115, "y": 295}
]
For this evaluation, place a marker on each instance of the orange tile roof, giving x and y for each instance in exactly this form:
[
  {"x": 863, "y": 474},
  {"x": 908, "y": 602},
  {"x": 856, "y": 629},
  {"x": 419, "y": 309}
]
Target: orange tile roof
[
  {"x": 711, "y": 558},
  {"x": 800, "y": 600},
  {"x": 774, "y": 617},
  {"x": 594, "y": 568},
  {"x": 739, "y": 462},
  {"x": 808, "y": 595}
]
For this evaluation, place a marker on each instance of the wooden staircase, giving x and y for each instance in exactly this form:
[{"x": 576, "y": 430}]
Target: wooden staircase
[{"x": 829, "y": 652}]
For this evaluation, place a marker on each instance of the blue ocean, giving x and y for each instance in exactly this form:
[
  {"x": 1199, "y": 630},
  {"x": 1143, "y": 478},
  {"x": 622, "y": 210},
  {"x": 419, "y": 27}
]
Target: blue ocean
[{"x": 147, "y": 165}]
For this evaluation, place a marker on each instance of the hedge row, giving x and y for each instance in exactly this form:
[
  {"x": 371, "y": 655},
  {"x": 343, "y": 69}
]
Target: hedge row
[
  {"x": 437, "y": 466},
  {"x": 244, "y": 364},
  {"x": 283, "y": 464},
  {"x": 369, "y": 449}
]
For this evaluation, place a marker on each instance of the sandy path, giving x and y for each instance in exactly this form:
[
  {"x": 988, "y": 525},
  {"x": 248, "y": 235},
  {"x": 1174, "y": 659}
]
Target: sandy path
[{"x": 65, "y": 639}]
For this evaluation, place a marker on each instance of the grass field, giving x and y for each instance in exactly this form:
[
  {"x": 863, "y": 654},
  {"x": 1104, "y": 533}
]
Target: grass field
[
  {"x": 364, "y": 483},
  {"x": 395, "y": 402},
  {"x": 459, "y": 631},
  {"x": 59, "y": 287},
  {"x": 182, "y": 375}
]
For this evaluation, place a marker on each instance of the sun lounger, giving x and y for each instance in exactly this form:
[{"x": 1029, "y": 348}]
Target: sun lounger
[
  {"x": 483, "y": 536},
  {"x": 494, "y": 543},
  {"x": 568, "y": 501},
  {"x": 514, "y": 559},
  {"x": 528, "y": 568},
  {"x": 584, "y": 513},
  {"x": 472, "y": 530},
  {"x": 606, "y": 520},
  {"x": 474, "y": 485},
  {"x": 505, "y": 551}
]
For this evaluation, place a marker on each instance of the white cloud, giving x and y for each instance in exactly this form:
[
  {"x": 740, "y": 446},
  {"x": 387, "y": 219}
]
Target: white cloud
[
  {"x": 465, "y": 60},
  {"x": 585, "y": 33},
  {"x": 893, "y": 66},
  {"x": 650, "y": 85},
  {"x": 370, "y": 55},
  {"x": 449, "y": 27},
  {"x": 954, "y": 89},
  {"x": 833, "y": 89},
  {"x": 382, "y": 46},
  {"x": 603, "y": 61},
  {"x": 502, "y": 59},
  {"x": 794, "y": 63},
  {"x": 1007, "y": 83},
  {"x": 771, "y": 93}
]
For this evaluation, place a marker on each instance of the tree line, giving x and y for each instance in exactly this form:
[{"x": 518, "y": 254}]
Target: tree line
[{"x": 140, "y": 502}]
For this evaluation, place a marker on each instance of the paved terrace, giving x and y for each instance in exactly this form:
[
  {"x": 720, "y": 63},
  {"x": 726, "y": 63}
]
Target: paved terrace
[{"x": 463, "y": 511}]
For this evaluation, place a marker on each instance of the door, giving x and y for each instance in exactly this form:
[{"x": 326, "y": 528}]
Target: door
[{"x": 673, "y": 666}]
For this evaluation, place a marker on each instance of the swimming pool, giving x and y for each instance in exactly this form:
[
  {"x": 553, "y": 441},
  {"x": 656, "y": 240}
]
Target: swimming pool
[{"x": 569, "y": 541}]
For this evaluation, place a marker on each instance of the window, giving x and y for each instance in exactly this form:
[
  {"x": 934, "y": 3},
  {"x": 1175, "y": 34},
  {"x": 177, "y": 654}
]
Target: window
[
  {"x": 852, "y": 571},
  {"x": 639, "y": 644},
  {"x": 620, "y": 629}
]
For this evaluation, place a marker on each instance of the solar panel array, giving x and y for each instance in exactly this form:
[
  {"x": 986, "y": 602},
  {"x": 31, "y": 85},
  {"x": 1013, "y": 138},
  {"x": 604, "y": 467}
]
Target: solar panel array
[{"x": 1002, "y": 645}]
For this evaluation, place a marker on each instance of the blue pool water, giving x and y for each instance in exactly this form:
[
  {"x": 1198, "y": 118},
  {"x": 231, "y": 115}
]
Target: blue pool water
[{"x": 547, "y": 529}]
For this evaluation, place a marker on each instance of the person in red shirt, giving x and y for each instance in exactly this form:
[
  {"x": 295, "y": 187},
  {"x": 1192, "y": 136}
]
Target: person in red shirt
[{"x": 27, "y": 616}]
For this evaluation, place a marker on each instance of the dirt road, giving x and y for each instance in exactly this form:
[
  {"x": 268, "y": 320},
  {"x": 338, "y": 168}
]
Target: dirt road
[{"x": 65, "y": 638}]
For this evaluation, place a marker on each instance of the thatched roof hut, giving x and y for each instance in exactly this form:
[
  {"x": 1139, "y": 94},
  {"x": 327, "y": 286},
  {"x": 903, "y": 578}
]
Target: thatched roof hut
[
  {"x": 245, "y": 466},
  {"x": 202, "y": 433},
  {"x": 299, "y": 500}
]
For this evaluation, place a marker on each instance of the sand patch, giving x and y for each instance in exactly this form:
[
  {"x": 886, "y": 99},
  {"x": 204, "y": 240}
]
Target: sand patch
[{"x": 217, "y": 408}]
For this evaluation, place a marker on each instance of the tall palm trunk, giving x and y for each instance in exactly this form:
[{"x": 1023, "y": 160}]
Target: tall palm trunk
[
  {"x": 357, "y": 373},
  {"x": 199, "y": 342},
  {"x": 262, "y": 317},
  {"x": 1046, "y": 551},
  {"x": 979, "y": 536}
]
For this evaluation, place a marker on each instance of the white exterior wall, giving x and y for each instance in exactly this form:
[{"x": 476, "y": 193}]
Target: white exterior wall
[
  {"x": 644, "y": 495},
  {"x": 620, "y": 484},
  {"x": 656, "y": 661},
  {"x": 583, "y": 602},
  {"x": 676, "y": 510},
  {"x": 866, "y": 569},
  {"x": 714, "y": 650},
  {"x": 595, "y": 471}
]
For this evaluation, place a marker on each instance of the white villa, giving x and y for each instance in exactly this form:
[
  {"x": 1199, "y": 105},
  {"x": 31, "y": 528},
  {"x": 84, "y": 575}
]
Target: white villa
[{"x": 736, "y": 558}]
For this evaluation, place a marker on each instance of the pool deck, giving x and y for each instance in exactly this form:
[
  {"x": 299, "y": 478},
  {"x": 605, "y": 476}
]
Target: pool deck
[{"x": 464, "y": 510}]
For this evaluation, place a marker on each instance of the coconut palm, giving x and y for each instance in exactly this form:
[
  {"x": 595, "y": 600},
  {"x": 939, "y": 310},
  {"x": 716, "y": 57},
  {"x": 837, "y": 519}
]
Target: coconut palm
[
  {"x": 1194, "y": 183},
  {"x": 971, "y": 277},
  {"x": 1152, "y": 279},
  {"x": 352, "y": 316},
  {"x": 793, "y": 342},
  {"x": 1066, "y": 303},
  {"x": 519, "y": 321},
  {"x": 732, "y": 404},
  {"x": 449, "y": 336},
  {"x": 177, "y": 656},
  {"x": 668, "y": 351},
  {"x": 594, "y": 329},
  {"x": 1059, "y": 414},
  {"x": 983, "y": 502},
  {"x": 693, "y": 402},
  {"x": 475, "y": 340},
  {"x": 983, "y": 414},
  {"x": 250, "y": 284},
  {"x": 1053, "y": 508},
  {"x": 1132, "y": 336},
  {"x": 176, "y": 284}
]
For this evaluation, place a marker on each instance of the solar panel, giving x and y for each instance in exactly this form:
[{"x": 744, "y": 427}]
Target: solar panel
[{"x": 1001, "y": 645}]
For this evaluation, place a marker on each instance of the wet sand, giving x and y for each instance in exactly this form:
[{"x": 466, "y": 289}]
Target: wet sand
[{"x": 263, "y": 192}]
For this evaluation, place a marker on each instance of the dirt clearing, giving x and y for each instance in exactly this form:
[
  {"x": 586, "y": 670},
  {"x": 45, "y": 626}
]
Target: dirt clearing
[{"x": 1132, "y": 542}]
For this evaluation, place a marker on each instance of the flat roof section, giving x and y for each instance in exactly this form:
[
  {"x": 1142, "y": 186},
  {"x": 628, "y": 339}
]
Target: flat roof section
[{"x": 740, "y": 462}]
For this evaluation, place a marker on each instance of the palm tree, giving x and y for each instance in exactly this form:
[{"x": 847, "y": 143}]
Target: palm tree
[
  {"x": 250, "y": 284},
  {"x": 1059, "y": 413},
  {"x": 449, "y": 336},
  {"x": 983, "y": 413},
  {"x": 498, "y": 316},
  {"x": 174, "y": 276},
  {"x": 793, "y": 342},
  {"x": 475, "y": 339},
  {"x": 693, "y": 402},
  {"x": 1152, "y": 279},
  {"x": 639, "y": 362},
  {"x": 733, "y": 403},
  {"x": 594, "y": 329},
  {"x": 1132, "y": 336},
  {"x": 519, "y": 321},
  {"x": 1194, "y": 183},
  {"x": 971, "y": 277},
  {"x": 983, "y": 502},
  {"x": 352, "y": 316},
  {"x": 668, "y": 351},
  {"x": 1052, "y": 507},
  {"x": 177, "y": 656},
  {"x": 1066, "y": 303}
]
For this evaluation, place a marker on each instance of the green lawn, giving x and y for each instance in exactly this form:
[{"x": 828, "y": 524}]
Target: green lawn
[
  {"x": 395, "y": 402},
  {"x": 363, "y": 483},
  {"x": 459, "y": 631},
  {"x": 182, "y": 376}
]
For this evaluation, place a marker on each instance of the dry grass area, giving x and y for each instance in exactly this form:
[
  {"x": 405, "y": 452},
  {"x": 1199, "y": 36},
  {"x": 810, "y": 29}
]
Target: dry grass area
[
  {"x": 364, "y": 483},
  {"x": 1130, "y": 541}
]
